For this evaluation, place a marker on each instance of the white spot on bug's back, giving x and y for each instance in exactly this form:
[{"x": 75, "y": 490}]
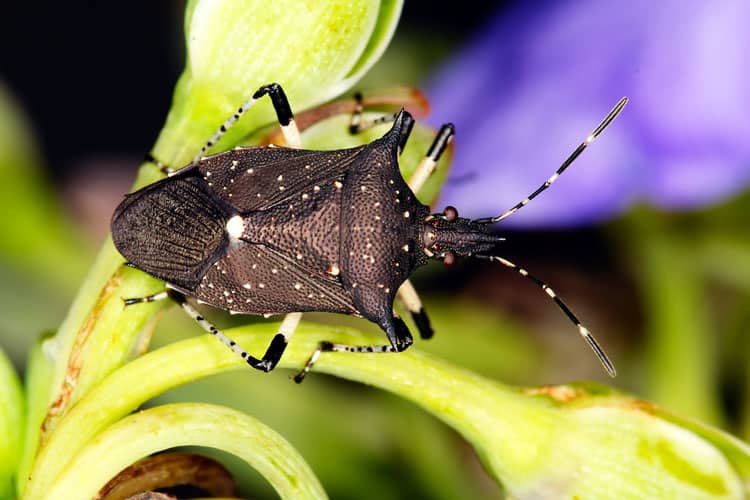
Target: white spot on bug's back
[
  {"x": 333, "y": 269},
  {"x": 338, "y": 185},
  {"x": 261, "y": 285},
  {"x": 235, "y": 226},
  {"x": 247, "y": 286},
  {"x": 250, "y": 171},
  {"x": 297, "y": 286},
  {"x": 280, "y": 178},
  {"x": 305, "y": 196},
  {"x": 316, "y": 188}
]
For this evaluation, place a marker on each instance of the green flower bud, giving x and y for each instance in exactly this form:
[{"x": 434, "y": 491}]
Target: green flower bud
[{"x": 315, "y": 50}]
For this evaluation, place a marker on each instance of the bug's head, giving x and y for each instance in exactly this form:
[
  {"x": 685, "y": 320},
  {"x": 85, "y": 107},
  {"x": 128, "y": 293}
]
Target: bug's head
[{"x": 446, "y": 236}]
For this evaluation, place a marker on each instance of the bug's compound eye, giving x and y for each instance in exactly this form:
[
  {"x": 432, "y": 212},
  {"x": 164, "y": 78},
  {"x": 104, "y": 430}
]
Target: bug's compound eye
[
  {"x": 449, "y": 259},
  {"x": 450, "y": 213}
]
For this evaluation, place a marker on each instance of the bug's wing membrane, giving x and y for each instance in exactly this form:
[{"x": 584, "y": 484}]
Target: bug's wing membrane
[
  {"x": 170, "y": 229},
  {"x": 255, "y": 279},
  {"x": 259, "y": 178}
]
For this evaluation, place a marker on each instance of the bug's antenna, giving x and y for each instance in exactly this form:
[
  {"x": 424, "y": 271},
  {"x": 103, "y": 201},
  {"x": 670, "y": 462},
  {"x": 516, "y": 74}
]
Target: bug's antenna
[
  {"x": 582, "y": 330},
  {"x": 570, "y": 159}
]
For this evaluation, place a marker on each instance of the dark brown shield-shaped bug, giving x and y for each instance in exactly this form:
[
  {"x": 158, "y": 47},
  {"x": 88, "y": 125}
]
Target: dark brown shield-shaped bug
[{"x": 284, "y": 230}]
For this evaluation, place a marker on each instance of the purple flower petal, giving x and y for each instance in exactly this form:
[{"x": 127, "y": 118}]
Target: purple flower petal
[{"x": 534, "y": 84}]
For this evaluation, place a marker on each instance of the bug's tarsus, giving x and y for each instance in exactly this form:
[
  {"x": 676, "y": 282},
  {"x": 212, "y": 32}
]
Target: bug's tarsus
[
  {"x": 358, "y": 125},
  {"x": 582, "y": 330},
  {"x": 148, "y": 298},
  {"x": 570, "y": 159},
  {"x": 166, "y": 169},
  {"x": 326, "y": 346}
]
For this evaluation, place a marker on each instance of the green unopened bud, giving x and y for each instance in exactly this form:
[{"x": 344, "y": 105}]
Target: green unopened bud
[{"x": 315, "y": 50}]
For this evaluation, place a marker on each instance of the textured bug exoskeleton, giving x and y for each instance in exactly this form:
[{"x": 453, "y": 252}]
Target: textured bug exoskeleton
[{"x": 277, "y": 230}]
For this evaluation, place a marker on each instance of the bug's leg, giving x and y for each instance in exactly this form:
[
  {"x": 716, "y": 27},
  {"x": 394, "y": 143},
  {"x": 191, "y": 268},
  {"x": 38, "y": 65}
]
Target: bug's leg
[
  {"x": 148, "y": 298},
  {"x": 427, "y": 165},
  {"x": 275, "y": 349},
  {"x": 409, "y": 297},
  {"x": 283, "y": 114},
  {"x": 357, "y": 124},
  {"x": 403, "y": 340},
  {"x": 166, "y": 169}
]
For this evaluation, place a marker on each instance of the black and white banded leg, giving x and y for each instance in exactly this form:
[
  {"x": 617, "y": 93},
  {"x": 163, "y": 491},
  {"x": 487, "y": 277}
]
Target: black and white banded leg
[
  {"x": 283, "y": 114},
  {"x": 427, "y": 166},
  {"x": 274, "y": 351},
  {"x": 408, "y": 296},
  {"x": 357, "y": 124},
  {"x": 404, "y": 340},
  {"x": 570, "y": 159},
  {"x": 582, "y": 330}
]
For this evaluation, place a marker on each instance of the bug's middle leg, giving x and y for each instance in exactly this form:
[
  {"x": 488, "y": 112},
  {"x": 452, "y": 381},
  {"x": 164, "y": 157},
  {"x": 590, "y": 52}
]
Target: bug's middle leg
[{"x": 403, "y": 340}]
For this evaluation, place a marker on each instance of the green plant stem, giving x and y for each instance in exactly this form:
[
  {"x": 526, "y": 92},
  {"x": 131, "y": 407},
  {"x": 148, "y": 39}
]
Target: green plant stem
[
  {"x": 12, "y": 406},
  {"x": 466, "y": 401},
  {"x": 681, "y": 353},
  {"x": 168, "y": 426}
]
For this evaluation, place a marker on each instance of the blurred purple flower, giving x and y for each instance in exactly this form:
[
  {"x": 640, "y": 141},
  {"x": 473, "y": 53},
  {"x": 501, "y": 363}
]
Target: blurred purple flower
[{"x": 537, "y": 80}]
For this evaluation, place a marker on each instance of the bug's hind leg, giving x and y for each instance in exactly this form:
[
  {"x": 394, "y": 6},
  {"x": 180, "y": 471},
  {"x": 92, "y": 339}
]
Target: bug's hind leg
[
  {"x": 274, "y": 351},
  {"x": 403, "y": 340}
]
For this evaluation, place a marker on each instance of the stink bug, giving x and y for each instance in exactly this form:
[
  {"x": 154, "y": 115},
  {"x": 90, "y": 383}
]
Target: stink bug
[{"x": 283, "y": 230}]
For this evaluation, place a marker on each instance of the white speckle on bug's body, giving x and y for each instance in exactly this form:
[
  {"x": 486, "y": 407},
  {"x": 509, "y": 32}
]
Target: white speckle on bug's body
[
  {"x": 338, "y": 185},
  {"x": 406, "y": 214},
  {"x": 280, "y": 178},
  {"x": 333, "y": 270},
  {"x": 247, "y": 286},
  {"x": 297, "y": 286},
  {"x": 226, "y": 294},
  {"x": 235, "y": 226},
  {"x": 305, "y": 196},
  {"x": 405, "y": 248},
  {"x": 250, "y": 171},
  {"x": 234, "y": 165},
  {"x": 316, "y": 188},
  {"x": 261, "y": 285}
]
